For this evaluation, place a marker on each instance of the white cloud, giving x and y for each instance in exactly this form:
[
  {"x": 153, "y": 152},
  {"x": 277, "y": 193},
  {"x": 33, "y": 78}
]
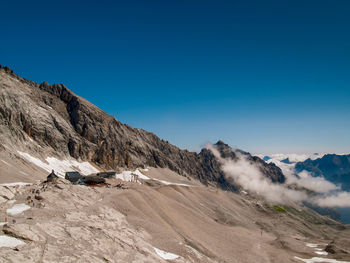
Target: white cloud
[
  {"x": 304, "y": 178},
  {"x": 316, "y": 184},
  {"x": 248, "y": 175},
  {"x": 339, "y": 199}
]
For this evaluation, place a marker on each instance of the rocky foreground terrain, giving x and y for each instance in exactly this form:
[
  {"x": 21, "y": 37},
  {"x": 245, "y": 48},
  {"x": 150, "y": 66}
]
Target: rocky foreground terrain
[{"x": 187, "y": 223}]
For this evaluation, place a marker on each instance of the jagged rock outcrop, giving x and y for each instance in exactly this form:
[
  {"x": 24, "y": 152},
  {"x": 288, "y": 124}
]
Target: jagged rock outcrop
[
  {"x": 57, "y": 119},
  {"x": 270, "y": 170}
]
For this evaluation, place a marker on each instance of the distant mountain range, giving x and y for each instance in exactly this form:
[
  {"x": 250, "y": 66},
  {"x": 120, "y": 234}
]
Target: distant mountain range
[
  {"x": 335, "y": 168},
  {"x": 289, "y": 158}
]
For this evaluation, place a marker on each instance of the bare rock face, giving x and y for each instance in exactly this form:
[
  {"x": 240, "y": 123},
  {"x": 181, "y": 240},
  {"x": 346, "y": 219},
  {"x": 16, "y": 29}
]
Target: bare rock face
[{"x": 58, "y": 120}]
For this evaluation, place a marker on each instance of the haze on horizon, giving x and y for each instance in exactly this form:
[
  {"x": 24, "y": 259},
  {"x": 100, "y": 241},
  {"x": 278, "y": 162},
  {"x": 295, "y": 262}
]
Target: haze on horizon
[{"x": 263, "y": 76}]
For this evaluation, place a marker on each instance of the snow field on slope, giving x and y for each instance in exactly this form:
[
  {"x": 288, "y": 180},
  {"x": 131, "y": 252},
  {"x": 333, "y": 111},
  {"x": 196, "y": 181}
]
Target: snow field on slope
[
  {"x": 60, "y": 166},
  {"x": 128, "y": 176}
]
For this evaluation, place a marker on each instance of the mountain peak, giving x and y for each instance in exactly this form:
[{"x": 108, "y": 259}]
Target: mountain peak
[
  {"x": 220, "y": 142},
  {"x": 6, "y": 69},
  {"x": 44, "y": 85}
]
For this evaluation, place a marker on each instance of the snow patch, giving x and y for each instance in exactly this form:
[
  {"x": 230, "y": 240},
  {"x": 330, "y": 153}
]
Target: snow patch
[
  {"x": 321, "y": 253},
  {"x": 17, "y": 209},
  {"x": 60, "y": 166},
  {"x": 311, "y": 245},
  {"x": 128, "y": 175},
  {"x": 165, "y": 255},
  {"x": 6, "y": 241},
  {"x": 317, "y": 260},
  {"x": 10, "y": 202},
  {"x": 3, "y": 223},
  {"x": 170, "y": 183},
  {"x": 141, "y": 175},
  {"x": 6, "y": 163}
]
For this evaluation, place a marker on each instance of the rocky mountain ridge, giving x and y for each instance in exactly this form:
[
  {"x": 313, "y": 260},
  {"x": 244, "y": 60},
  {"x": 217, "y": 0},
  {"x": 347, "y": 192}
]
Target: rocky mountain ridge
[
  {"x": 55, "y": 118},
  {"x": 333, "y": 167}
]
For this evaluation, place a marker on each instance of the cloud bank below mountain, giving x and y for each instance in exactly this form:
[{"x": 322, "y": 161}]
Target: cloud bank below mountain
[{"x": 248, "y": 176}]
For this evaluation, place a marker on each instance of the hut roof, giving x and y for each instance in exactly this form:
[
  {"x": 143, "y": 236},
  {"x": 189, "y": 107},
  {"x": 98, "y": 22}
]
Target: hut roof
[
  {"x": 73, "y": 176},
  {"x": 51, "y": 176}
]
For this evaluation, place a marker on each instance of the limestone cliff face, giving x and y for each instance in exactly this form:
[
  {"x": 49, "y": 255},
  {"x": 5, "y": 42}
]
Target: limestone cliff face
[{"x": 55, "y": 118}]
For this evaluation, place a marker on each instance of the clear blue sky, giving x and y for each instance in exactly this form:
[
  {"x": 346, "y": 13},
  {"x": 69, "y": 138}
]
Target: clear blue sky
[{"x": 264, "y": 76}]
